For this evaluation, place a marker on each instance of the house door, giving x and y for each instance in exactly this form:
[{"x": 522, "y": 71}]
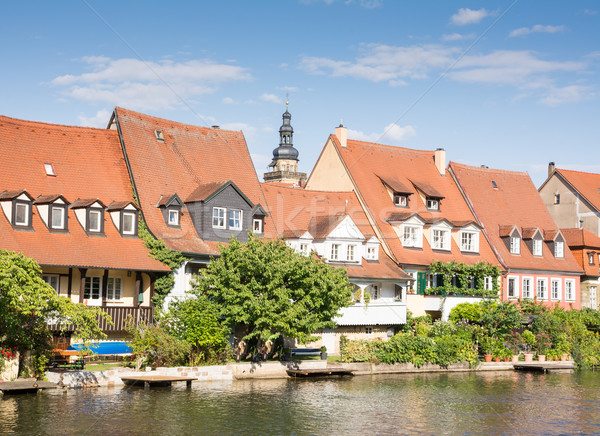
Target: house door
[
  {"x": 421, "y": 282},
  {"x": 593, "y": 298},
  {"x": 92, "y": 293},
  {"x": 329, "y": 340}
]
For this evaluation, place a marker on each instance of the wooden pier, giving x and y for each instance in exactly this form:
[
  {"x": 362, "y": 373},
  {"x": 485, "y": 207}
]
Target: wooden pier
[
  {"x": 325, "y": 372},
  {"x": 545, "y": 367},
  {"x": 25, "y": 386},
  {"x": 156, "y": 380}
]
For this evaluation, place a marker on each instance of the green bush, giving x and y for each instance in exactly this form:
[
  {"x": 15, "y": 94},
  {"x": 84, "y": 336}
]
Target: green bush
[{"x": 154, "y": 346}]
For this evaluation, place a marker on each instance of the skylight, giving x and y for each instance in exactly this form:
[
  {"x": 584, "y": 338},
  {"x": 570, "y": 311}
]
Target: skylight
[
  {"x": 494, "y": 184},
  {"x": 159, "y": 135},
  {"x": 49, "y": 169}
]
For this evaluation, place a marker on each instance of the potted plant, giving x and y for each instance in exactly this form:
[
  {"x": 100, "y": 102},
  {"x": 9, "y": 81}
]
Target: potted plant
[
  {"x": 529, "y": 342},
  {"x": 487, "y": 348},
  {"x": 542, "y": 344},
  {"x": 323, "y": 352}
]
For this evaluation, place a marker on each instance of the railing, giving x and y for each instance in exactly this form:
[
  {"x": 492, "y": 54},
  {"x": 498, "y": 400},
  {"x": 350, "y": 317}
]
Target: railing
[{"x": 119, "y": 317}]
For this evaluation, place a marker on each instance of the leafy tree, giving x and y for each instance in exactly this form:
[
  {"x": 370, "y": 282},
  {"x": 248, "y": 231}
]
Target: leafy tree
[
  {"x": 28, "y": 305},
  {"x": 273, "y": 291},
  {"x": 196, "y": 320}
]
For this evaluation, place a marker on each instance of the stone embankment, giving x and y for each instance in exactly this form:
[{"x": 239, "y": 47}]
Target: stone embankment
[{"x": 260, "y": 370}]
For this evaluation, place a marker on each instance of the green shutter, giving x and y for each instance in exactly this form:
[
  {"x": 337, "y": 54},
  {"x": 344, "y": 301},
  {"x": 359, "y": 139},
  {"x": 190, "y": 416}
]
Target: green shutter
[{"x": 421, "y": 282}]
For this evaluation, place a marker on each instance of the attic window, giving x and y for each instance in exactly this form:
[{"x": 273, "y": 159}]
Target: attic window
[
  {"x": 433, "y": 203},
  {"x": 49, "y": 169},
  {"x": 159, "y": 135},
  {"x": 494, "y": 184},
  {"x": 400, "y": 199},
  {"x": 556, "y": 198}
]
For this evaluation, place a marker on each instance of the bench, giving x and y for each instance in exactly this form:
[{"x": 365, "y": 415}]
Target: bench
[
  {"x": 63, "y": 358},
  {"x": 306, "y": 351}
]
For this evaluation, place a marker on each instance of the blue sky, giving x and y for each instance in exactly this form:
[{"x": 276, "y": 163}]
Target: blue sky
[{"x": 508, "y": 84}]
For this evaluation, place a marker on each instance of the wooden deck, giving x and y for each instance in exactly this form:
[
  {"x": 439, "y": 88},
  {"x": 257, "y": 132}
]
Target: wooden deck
[
  {"x": 325, "y": 372},
  {"x": 25, "y": 386},
  {"x": 545, "y": 367},
  {"x": 156, "y": 380}
]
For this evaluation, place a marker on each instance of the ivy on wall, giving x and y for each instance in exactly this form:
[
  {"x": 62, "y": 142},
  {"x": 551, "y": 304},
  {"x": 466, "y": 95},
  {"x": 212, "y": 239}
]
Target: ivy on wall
[{"x": 462, "y": 279}]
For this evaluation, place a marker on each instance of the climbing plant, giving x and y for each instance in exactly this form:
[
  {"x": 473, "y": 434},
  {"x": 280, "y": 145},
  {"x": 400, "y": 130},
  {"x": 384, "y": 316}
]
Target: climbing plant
[{"x": 458, "y": 278}]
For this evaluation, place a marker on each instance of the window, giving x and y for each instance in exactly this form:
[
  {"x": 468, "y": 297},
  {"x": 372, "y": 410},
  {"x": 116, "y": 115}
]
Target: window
[
  {"x": 22, "y": 214},
  {"x": 371, "y": 253},
  {"x": 570, "y": 290},
  {"x": 304, "y": 249},
  {"x": 57, "y": 218},
  {"x": 412, "y": 236},
  {"x": 488, "y": 283},
  {"x": 49, "y": 169},
  {"x": 527, "y": 291},
  {"x": 400, "y": 199},
  {"x": 159, "y": 135},
  {"x": 53, "y": 280},
  {"x": 513, "y": 288},
  {"x": 398, "y": 292},
  {"x": 555, "y": 289},
  {"x": 591, "y": 257},
  {"x": 235, "y": 219},
  {"x": 218, "y": 217},
  {"x": 537, "y": 247},
  {"x": 91, "y": 291},
  {"x": 559, "y": 249},
  {"x": 114, "y": 288},
  {"x": 515, "y": 245},
  {"x": 375, "y": 292},
  {"x": 257, "y": 224},
  {"x": 433, "y": 204},
  {"x": 556, "y": 198},
  {"x": 95, "y": 221},
  {"x": 441, "y": 239},
  {"x": 173, "y": 218},
  {"x": 129, "y": 223},
  {"x": 335, "y": 252},
  {"x": 469, "y": 241},
  {"x": 369, "y": 330},
  {"x": 593, "y": 293},
  {"x": 350, "y": 253},
  {"x": 542, "y": 289}
]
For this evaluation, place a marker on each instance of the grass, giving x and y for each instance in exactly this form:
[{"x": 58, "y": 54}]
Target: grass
[{"x": 101, "y": 366}]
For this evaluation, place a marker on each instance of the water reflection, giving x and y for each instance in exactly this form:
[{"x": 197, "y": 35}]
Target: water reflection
[{"x": 464, "y": 403}]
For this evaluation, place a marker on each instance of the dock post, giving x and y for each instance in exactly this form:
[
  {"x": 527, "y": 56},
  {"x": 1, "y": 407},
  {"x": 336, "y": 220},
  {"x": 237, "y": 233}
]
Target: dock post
[{"x": 188, "y": 383}]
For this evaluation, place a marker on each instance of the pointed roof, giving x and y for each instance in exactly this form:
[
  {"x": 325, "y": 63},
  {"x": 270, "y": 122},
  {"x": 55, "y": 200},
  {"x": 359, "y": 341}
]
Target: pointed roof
[
  {"x": 582, "y": 244},
  {"x": 581, "y": 238},
  {"x": 587, "y": 184}
]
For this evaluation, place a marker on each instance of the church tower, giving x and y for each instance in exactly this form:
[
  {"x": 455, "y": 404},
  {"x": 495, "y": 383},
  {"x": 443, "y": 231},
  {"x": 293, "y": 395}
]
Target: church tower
[{"x": 285, "y": 157}]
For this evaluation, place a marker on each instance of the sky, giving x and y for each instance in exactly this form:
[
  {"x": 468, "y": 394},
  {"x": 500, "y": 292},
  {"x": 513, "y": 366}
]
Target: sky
[{"x": 508, "y": 84}]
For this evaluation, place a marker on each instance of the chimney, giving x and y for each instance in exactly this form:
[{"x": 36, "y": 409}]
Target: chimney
[
  {"x": 342, "y": 134},
  {"x": 550, "y": 168},
  {"x": 439, "y": 158}
]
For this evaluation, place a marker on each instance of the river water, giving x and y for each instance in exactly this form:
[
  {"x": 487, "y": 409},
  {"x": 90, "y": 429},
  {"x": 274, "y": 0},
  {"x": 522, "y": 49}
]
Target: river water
[{"x": 434, "y": 404}]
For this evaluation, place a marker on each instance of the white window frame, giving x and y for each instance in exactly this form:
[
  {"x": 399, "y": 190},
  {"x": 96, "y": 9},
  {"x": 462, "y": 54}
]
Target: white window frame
[
  {"x": 58, "y": 224},
  {"x": 91, "y": 283},
  {"x": 173, "y": 217},
  {"x": 112, "y": 289},
  {"x": 593, "y": 297},
  {"x": 415, "y": 237},
  {"x": 488, "y": 283},
  {"x": 559, "y": 249},
  {"x": 132, "y": 230},
  {"x": 527, "y": 288},
  {"x": 98, "y": 228},
  {"x": 235, "y": 222},
  {"x": 26, "y": 216},
  {"x": 537, "y": 247},
  {"x": 400, "y": 200},
  {"x": 569, "y": 290},
  {"x": 335, "y": 251},
  {"x": 469, "y": 241},
  {"x": 369, "y": 330},
  {"x": 304, "y": 248},
  {"x": 515, "y": 281},
  {"x": 440, "y": 239},
  {"x": 555, "y": 290},
  {"x": 257, "y": 225},
  {"x": 218, "y": 219},
  {"x": 375, "y": 292},
  {"x": 371, "y": 253},
  {"x": 432, "y": 204},
  {"x": 541, "y": 294},
  {"x": 50, "y": 278},
  {"x": 515, "y": 245},
  {"x": 351, "y": 252}
]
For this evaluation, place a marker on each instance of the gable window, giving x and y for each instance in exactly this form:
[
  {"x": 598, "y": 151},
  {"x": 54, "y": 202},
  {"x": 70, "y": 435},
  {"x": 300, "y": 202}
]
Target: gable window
[
  {"x": 559, "y": 249},
  {"x": 527, "y": 290},
  {"x": 411, "y": 236},
  {"x": 371, "y": 253},
  {"x": 555, "y": 289},
  {"x": 91, "y": 290},
  {"x": 542, "y": 289},
  {"x": 53, "y": 280},
  {"x": 469, "y": 241},
  {"x": 235, "y": 219},
  {"x": 94, "y": 221},
  {"x": 570, "y": 290},
  {"x": 257, "y": 225},
  {"x": 513, "y": 287},
  {"x": 335, "y": 252},
  {"x": 57, "y": 217},
  {"x": 173, "y": 217},
  {"x": 350, "y": 253},
  {"x": 433, "y": 204},
  {"x": 129, "y": 219},
  {"x": 218, "y": 220},
  {"x": 537, "y": 247},
  {"x": 304, "y": 249},
  {"x": 22, "y": 214},
  {"x": 515, "y": 245},
  {"x": 114, "y": 288},
  {"x": 400, "y": 199},
  {"x": 441, "y": 239},
  {"x": 556, "y": 198}
]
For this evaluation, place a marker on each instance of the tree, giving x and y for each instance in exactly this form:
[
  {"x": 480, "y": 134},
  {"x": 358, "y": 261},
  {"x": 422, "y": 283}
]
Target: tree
[
  {"x": 28, "y": 305},
  {"x": 273, "y": 291}
]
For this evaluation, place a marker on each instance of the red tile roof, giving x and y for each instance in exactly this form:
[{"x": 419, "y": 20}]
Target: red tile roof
[
  {"x": 588, "y": 184},
  {"x": 515, "y": 202},
  {"x": 581, "y": 242},
  {"x": 189, "y": 156},
  {"x": 88, "y": 163},
  {"x": 369, "y": 163}
]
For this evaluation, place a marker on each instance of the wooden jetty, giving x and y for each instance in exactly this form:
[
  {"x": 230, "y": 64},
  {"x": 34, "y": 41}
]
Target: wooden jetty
[
  {"x": 156, "y": 380},
  {"x": 545, "y": 367},
  {"x": 324, "y": 372},
  {"x": 25, "y": 386}
]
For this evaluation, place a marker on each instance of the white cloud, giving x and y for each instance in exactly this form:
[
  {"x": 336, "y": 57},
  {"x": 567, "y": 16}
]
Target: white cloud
[
  {"x": 457, "y": 37},
  {"x": 227, "y": 100},
  {"x": 538, "y": 28},
  {"x": 100, "y": 120},
  {"x": 590, "y": 12},
  {"x": 469, "y": 16},
  {"x": 146, "y": 85},
  {"x": 568, "y": 94},
  {"x": 391, "y": 133},
  {"x": 271, "y": 98}
]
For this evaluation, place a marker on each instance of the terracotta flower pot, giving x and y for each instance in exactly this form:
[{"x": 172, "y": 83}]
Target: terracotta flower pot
[
  {"x": 507, "y": 359},
  {"x": 541, "y": 358},
  {"x": 515, "y": 358},
  {"x": 487, "y": 357},
  {"x": 528, "y": 357},
  {"x": 497, "y": 359}
]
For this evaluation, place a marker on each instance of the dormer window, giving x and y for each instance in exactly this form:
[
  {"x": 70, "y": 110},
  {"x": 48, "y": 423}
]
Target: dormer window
[
  {"x": 235, "y": 219},
  {"x": 124, "y": 216},
  {"x": 218, "y": 219},
  {"x": 371, "y": 253},
  {"x": 400, "y": 200},
  {"x": 335, "y": 252},
  {"x": 515, "y": 245},
  {"x": 58, "y": 217},
  {"x": 469, "y": 241},
  {"x": 22, "y": 213},
  {"x": 591, "y": 256},
  {"x": 350, "y": 253},
  {"x": 537, "y": 247},
  {"x": 16, "y": 206},
  {"x": 257, "y": 225},
  {"x": 440, "y": 239},
  {"x": 559, "y": 249},
  {"x": 171, "y": 209},
  {"x": 433, "y": 203},
  {"x": 94, "y": 220},
  {"x": 173, "y": 217},
  {"x": 52, "y": 209},
  {"x": 90, "y": 214},
  {"x": 412, "y": 236},
  {"x": 129, "y": 223}
]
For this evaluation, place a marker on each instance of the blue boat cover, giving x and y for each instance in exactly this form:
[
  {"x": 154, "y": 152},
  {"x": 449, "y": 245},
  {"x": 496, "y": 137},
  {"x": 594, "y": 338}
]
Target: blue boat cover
[{"x": 105, "y": 347}]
